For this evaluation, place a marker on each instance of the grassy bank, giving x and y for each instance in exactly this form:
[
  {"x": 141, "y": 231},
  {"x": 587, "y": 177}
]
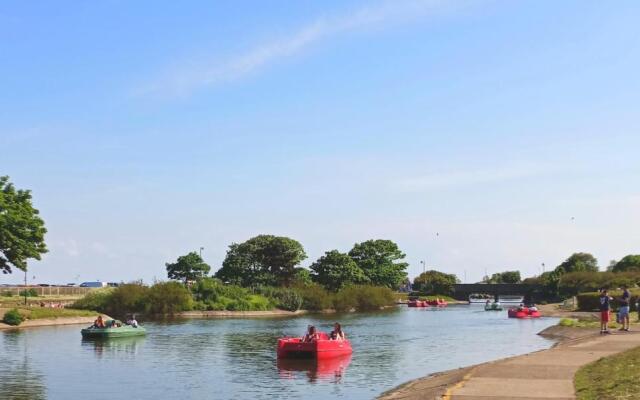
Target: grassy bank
[
  {"x": 614, "y": 377},
  {"x": 595, "y": 322},
  {"x": 35, "y": 313}
]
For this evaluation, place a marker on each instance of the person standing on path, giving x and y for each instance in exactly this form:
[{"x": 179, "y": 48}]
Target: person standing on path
[
  {"x": 605, "y": 307},
  {"x": 623, "y": 313}
]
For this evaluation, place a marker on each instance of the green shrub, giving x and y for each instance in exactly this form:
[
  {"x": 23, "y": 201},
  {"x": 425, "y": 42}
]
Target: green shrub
[
  {"x": 363, "y": 298},
  {"x": 259, "y": 303},
  {"x": 29, "y": 293},
  {"x": 239, "y": 305},
  {"x": 210, "y": 289},
  {"x": 571, "y": 284},
  {"x": 96, "y": 300},
  {"x": 315, "y": 297},
  {"x": 591, "y": 301},
  {"x": 284, "y": 298},
  {"x": 128, "y": 298},
  {"x": 7, "y": 293},
  {"x": 167, "y": 298},
  {"x": 13, "y": 317}
]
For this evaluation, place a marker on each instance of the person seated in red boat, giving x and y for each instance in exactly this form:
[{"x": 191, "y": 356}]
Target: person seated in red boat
[
  {"x": 533, "y": 307},
  {"x": 311, "y": 335},
  {"x": 336, "y": 333},
  {"x": 521, "y": 307}
]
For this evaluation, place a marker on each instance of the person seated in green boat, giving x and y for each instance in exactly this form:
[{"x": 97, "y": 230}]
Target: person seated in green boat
[
  {"x": 132, "y": 321},
  {"x": 98, "y": 323}
]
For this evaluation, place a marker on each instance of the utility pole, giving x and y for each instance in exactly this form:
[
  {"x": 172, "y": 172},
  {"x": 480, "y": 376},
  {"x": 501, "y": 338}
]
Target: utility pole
[{"x": 25, "y": 285}]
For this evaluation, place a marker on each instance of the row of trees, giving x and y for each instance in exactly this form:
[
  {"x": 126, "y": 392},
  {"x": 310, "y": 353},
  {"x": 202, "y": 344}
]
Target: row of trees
[{"x": 268, "y": 260}]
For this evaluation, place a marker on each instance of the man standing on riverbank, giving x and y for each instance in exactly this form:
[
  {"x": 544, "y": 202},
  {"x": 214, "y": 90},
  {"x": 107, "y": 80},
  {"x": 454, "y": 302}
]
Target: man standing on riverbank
[
  {"x": 605, "y": 307},
  {"x": 623, "y": 313}
]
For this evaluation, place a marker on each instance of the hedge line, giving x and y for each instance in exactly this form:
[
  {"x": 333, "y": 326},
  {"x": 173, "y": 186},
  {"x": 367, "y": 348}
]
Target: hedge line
[{"x": 591, "y": 301}]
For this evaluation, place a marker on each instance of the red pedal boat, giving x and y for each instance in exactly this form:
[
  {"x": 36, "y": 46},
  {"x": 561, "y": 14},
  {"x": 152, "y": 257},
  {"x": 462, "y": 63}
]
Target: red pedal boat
[
  {"x": 320, "y": 349},
  {"x": 437, "y": 303},
  {"x": 417, "y": 303},
  {"x": 523, "y": 313}
]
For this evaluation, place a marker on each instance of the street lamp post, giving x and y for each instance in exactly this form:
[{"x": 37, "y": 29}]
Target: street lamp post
[
  {"x": 201, "y": 248},
  {"x": 25, "y": 285},
  {"x": 424, "y": 266}
]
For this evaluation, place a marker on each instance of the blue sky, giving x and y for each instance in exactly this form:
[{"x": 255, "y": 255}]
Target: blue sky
[{"x": 469, "y": 132}]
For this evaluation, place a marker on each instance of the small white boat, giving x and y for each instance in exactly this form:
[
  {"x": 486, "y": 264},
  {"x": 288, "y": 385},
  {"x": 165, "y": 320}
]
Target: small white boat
[{"x": 511, "y": 299}]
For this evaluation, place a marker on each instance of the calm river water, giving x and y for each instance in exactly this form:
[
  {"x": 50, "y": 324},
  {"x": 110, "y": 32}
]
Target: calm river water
[{"x": 235, "y": 358}]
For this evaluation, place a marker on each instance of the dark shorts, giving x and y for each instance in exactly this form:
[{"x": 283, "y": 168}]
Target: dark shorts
[{"x": 604, "y": 316}]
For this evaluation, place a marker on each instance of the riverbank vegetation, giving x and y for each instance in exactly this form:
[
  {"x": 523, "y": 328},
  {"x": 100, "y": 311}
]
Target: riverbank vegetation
[
  {"x": 210, "y": 294},
  {"x": 613, "y": 377}
]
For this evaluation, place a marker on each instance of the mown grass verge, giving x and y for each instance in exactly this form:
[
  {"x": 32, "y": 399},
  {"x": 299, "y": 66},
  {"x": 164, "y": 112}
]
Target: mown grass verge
[
  {"x": 594, "y": 322},
  {"x": 614, "y": 377}
]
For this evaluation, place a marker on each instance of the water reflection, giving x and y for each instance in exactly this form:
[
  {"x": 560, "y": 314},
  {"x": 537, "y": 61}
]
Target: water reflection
[
  {"x": 329, "y": 370},
  {"x": 124, "y": 345},
  {"x": 19, "y": 380}
]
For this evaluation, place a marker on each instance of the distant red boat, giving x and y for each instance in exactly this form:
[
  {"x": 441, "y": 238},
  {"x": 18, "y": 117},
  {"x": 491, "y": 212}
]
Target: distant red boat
[
  {"x": 523, "y": 313},
  {"x": 417, "y": 303},
  {"x": 322, "y": 348},
  {"x": 437, "y": 303}
]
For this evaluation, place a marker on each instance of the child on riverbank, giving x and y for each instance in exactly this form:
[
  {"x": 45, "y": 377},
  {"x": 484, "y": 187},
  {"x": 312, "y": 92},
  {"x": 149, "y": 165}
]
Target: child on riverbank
[{"x": 605, "y": 308}]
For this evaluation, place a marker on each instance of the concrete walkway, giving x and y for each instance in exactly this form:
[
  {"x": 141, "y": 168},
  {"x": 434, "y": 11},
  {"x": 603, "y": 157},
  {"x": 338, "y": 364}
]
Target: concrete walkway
[{"x": 546, "y": 374}]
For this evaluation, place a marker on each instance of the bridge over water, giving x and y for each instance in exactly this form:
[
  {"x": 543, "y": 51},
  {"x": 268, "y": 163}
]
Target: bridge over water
[{"x": 463, "y": 290}]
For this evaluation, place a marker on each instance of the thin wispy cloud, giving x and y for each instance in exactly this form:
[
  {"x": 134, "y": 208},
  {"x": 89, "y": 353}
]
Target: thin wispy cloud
[{"x": 207, "y": 73}]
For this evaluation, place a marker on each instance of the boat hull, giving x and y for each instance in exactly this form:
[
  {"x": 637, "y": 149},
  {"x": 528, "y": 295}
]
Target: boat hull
[
  {"x": 319, "y": 349},
  {"x": 523, "y": 314},
  {"x": 103, "y": 333}
]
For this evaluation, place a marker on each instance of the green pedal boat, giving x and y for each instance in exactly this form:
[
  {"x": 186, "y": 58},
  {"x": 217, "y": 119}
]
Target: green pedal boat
[
  {"x": 493, "y": 307},
  {"x": 105, "y": 333}
]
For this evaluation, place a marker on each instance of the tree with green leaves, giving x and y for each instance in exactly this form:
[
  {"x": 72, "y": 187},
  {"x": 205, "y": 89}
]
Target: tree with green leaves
[
  {"x": 628, "y": 263},
  {"x": 21, "y": 228},
  {"x": 381, "y": 262},
  {"x": 435, "y": 282},
  {"x": 578, "y": 262},
  {"x": 504, "y": 277},
  {"x": 336, "y": 270},
  {"x": 302, "y": 277},
  {"x": 262, "y": 260},
  {"x": 189, "y": 267}
]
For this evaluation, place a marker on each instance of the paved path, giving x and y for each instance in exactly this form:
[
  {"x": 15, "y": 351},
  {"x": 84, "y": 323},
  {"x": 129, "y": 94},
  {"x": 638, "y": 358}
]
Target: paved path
[{"x": 546, "y": 374}]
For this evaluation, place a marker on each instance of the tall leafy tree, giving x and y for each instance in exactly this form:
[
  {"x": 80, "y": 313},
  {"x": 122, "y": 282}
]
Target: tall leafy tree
[
  {"x": 381, "y": 261},
  {"x": 578, "y": 262},
  {"x": 435, "y": 282},
  {"x": 630, "y": 262},
  {"x": 504, "y": 277},
  {"x": 262, "y": 260},
  {"x": 189, "y": 267},
  {"x": 335, "y": 270},
  {"x": 21, "y": 228}
]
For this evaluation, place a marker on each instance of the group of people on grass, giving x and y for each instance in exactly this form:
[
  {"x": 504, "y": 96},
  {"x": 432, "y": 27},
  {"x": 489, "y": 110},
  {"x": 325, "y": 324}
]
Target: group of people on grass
[
  {"x": 313, "y": 334},
  {"x": 99, "y": 323},
  {"x": 623, "y": 311}
]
